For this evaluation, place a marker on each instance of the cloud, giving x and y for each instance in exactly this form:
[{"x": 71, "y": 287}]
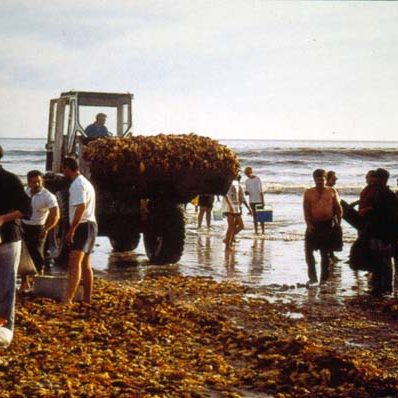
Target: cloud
[{"x": 225, "y": 66}]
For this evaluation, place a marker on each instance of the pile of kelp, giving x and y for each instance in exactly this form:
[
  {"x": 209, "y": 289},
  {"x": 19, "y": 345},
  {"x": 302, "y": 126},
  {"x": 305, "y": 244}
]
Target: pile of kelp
[
  {"x": 381, "y": 306},
  {"x": 161, "y": 155},
  {"x": 174, "y": 337}
]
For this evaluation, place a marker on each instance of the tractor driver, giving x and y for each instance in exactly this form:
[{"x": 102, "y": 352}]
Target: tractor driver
[{"x": 98, "y": 128}]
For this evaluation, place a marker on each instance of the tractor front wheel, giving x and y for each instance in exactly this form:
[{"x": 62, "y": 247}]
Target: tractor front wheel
[
  {"x": 123, "y": 236},
  {"x": 164, "y": 234}
]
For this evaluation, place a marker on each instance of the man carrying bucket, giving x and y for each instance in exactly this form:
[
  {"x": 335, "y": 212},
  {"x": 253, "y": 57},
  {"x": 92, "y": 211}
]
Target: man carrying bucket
[{"x": 253, "y": 188}]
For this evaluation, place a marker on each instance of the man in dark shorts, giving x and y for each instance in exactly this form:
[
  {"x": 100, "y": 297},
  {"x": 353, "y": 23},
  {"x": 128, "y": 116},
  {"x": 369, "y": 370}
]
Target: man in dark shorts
[
  {"x": 322, "y": 211},
  {"x": 205, "y": 206},
  {"x": 253, "y": 188},
  {"x": 82, "y": 231}
]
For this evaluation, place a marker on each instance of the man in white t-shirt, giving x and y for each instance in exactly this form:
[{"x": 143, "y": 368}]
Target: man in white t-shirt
[
  {"x": 82, "y": 231},
  {"x": 45, "y": 215},
  {"x": 253, "y": 188}
]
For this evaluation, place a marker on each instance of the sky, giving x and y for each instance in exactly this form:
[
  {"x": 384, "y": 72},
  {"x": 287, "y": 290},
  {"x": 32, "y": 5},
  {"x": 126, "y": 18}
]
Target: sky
[{"x": 225, "y": 69}]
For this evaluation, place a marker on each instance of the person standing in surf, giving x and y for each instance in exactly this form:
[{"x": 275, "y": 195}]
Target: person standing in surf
[
  {"x": 254, "y": 188},
  {"x": 322, "y": 211},
  {"x": 331, "y": 180}
]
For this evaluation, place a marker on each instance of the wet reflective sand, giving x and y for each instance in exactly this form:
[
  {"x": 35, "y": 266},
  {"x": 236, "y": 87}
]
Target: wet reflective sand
[{"x": 274, "y": 262}]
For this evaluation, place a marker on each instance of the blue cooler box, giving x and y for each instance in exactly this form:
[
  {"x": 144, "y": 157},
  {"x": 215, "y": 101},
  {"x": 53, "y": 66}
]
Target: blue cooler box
[{"x": 263, "y": 213}]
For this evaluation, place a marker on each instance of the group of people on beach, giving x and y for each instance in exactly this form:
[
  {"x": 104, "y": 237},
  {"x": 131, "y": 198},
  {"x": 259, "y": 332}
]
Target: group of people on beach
[
  {"x": 232, "y": 204},
  {"x": 27, "y": 215},
  {"x": 376, "y": 221},
  {"x": 32, "y": 212}
]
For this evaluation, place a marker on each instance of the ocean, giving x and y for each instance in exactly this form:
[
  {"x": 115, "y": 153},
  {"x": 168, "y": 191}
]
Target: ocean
[{"x": 285, "y": 168}]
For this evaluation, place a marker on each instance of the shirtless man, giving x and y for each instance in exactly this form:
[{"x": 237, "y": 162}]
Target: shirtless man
[
  {"x": 322, "y": 210},
  {"x": 331, "y": 180}
]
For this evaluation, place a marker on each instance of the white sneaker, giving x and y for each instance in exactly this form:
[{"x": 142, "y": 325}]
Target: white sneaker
[{"x": 6, "y": 336}]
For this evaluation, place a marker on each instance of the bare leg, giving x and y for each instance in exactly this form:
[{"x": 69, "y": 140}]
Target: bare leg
[
  {"x": 88, "y": 278},
  {"x": 310, "y": 260},
  {"x": 255, "y": 223},
  {"x": 325, "y": 262},
  {"x": 200, "y": 216},
  {"x": 229, "y": 237},
  {"x": 25, "y": 283},
  {"x": 75, "y": 274},
  {"x": 208, "y": 216},
  {"x": 238, "y": 224}
]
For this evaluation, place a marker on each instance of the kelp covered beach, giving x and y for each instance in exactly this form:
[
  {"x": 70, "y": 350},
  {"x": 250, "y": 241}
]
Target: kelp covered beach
[{"x": 175, "y": 336}]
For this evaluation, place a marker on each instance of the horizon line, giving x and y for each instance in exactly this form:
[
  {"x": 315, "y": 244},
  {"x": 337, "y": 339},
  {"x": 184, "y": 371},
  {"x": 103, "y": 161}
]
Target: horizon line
[{"x": 244, "y": 139}]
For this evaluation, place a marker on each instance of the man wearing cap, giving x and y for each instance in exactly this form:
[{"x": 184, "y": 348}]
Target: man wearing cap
[
  {"x": 14, "y": 204},
  {"x": 98, "y": 128}
]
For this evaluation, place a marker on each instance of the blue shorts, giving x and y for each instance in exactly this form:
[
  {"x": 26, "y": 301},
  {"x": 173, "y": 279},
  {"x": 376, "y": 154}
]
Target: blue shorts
[{"x": 84, "y": 237}]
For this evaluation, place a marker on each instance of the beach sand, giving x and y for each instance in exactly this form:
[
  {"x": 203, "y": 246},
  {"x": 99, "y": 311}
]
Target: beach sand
[
  {"x": 175, "y": 336},
  {"x": 239, "y": 324}
]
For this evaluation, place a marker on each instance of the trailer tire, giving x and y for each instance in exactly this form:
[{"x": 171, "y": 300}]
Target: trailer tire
[{"x": 164, "y": 235}]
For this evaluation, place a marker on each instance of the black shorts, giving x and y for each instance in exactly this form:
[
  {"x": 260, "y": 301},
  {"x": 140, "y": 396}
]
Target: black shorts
[
  {"x": 325, "y": 235},
  {"x": 206, "y": 201},
  {"x": 253, "y": 206},
  {"x": 84, "y": 237}
]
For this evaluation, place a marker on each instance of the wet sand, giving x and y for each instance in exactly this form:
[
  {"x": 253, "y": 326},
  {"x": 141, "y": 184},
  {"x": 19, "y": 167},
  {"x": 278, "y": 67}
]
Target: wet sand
[{"x": 274, "y": 260}]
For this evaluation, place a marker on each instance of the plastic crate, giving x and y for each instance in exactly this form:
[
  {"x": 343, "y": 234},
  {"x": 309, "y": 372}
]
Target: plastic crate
[
  {"x": 53, "y": 287},
  {"x": 264, "y": 213}
]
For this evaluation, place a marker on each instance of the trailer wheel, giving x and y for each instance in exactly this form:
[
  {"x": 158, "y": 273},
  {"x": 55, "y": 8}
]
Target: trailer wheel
[
  {"x": 55, "y": 245},
  {"x": 164, "y": 235},
  {"x": 122, "y": 236}
]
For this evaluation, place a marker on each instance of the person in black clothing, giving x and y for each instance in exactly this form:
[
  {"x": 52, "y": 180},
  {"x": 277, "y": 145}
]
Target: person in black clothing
[
  {"x": 14, "y": 204},
  {"x": 382, "y": 230},
  {"x": 205, "y": 207}
]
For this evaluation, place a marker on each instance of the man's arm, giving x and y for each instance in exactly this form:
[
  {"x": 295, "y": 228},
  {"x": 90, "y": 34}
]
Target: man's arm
[
  {"x": 307, "y": 210},
  {"x": 75, "y": 222},
  {"x": 260, "y": 189},
  {"x": 51, "y": 222},
  {"x": 11, "y": 216},
  {"x": 337, "y": 208},
  {"x": 243, "y": 200}
]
